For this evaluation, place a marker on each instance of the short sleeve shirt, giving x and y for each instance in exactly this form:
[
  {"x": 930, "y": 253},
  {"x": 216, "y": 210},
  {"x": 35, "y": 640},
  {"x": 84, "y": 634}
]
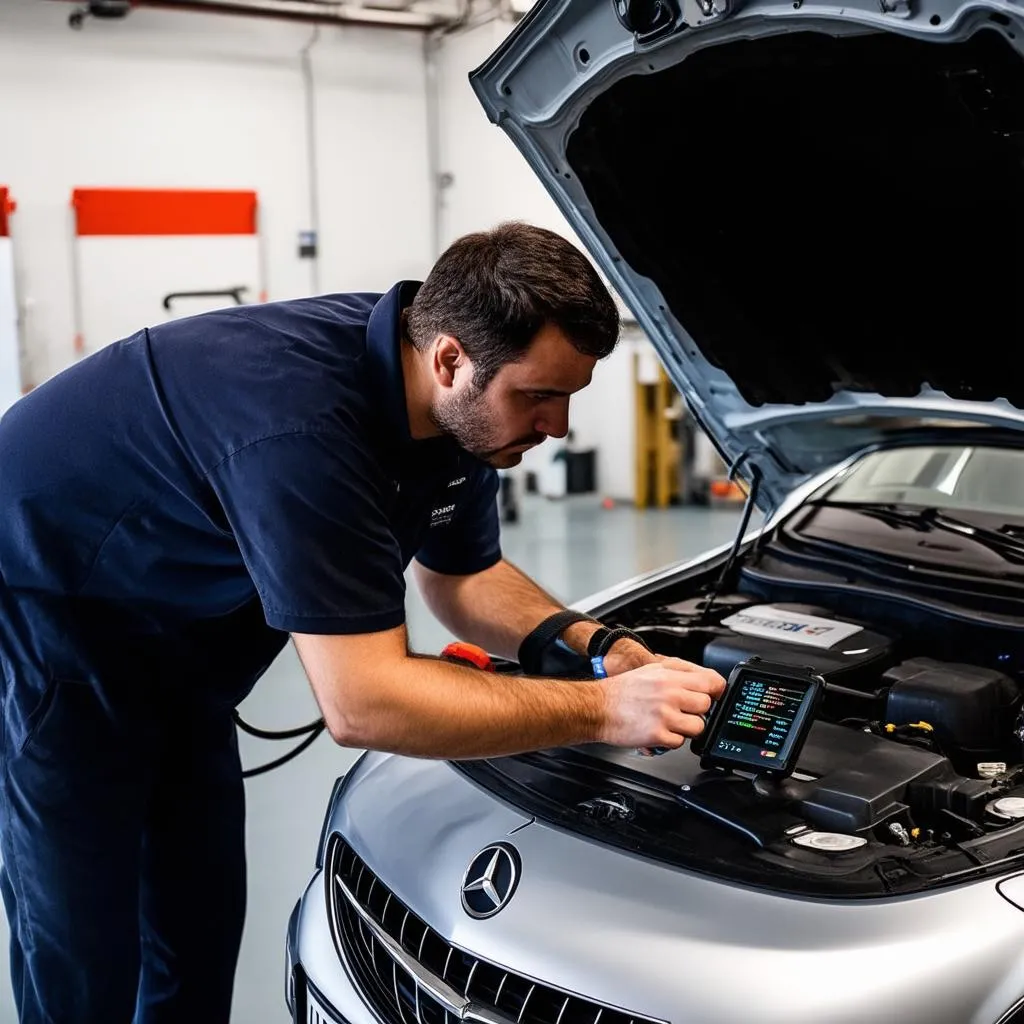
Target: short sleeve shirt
[{"x": 257, "y": 456}]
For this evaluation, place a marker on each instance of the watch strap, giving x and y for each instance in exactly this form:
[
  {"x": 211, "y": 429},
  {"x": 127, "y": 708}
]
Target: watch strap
[
  {"x": 612, "y": 636},
  {"x": 594, "y": 643},
  {"x": 531, "y": 650}
]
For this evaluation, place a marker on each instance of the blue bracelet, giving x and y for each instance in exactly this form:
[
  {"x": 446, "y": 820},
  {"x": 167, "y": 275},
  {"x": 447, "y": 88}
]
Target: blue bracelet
[{"x": 597, "y": 663}]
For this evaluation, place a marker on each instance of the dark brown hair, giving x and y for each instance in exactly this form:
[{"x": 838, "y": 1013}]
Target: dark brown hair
[{"x": 494, "y": 290}]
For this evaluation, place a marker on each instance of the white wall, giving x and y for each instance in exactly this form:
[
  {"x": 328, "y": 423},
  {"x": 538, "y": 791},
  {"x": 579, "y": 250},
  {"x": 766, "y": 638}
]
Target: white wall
[
  {"x": 170, "y": 100},
  {"x": 167, "y": 100},
  {"x": 490, "y": 182}
]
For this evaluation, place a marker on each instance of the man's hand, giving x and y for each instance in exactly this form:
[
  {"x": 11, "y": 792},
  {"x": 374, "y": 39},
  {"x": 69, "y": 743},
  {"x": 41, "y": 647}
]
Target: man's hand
[
  {"x": 658, "y": 704},
  {"x": 627, "y": 655}
]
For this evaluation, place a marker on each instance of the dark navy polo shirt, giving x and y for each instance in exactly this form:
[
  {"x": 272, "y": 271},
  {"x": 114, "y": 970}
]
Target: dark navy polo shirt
[{"x": 174, "y": 497}]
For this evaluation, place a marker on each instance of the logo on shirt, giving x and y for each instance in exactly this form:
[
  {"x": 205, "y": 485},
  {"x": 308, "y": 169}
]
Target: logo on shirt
[
  {"x": 458, "y": 480},
  {"x": 442, "y": 515}
]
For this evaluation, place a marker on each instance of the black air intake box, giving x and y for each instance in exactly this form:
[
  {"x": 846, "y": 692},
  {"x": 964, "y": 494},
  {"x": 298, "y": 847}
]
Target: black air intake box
[{"x": 972, "y": 710}]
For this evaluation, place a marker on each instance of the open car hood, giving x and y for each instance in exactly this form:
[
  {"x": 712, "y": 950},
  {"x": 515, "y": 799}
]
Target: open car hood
[{"x": 813, "y": 210}]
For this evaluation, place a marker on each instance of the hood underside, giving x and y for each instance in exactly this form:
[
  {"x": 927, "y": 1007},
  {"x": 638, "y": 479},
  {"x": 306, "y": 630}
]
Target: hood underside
[{"x": 814, "y": 213}]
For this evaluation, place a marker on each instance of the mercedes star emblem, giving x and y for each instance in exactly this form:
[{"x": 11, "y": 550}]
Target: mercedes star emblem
[{"x": 490, "y": 881}]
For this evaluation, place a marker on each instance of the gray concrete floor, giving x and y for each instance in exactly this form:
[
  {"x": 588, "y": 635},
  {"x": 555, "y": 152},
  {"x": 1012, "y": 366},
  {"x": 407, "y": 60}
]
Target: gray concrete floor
[{"x": 573, "y": 547}]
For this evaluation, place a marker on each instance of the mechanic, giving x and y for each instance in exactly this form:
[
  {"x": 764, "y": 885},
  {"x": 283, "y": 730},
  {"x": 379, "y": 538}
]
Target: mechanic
[{"x": 178, "y": 503}]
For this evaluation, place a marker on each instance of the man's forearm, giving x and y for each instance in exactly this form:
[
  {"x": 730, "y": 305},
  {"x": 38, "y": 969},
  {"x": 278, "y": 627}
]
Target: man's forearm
[
  {"x": 496, "y": 608},
  {"x": 455, "y": 712},
  {"x": 373, "y": 693}
]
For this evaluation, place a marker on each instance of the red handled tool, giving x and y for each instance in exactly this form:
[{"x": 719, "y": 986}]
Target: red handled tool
[{"x": 468, "y": 654}]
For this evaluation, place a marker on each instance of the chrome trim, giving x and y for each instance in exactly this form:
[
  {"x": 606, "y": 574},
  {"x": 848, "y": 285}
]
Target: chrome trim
[
  {"x": 394, "y": 989},
  {"x": 1012, "y": 1015},
  {"x": 526, "y": 1002},
  {"x": 429, "y": 982},
  {"x": 483, "y": 1015},
  {"x": 501, "y": 988}
]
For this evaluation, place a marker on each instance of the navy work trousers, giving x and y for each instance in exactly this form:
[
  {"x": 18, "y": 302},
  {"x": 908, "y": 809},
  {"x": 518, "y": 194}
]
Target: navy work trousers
[{"x": 123, "y": 863}]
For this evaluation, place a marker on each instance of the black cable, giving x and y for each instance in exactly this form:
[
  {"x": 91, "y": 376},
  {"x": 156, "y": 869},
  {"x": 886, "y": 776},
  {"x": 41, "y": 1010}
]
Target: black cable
[
  {"x": 281, "y": 734},
  {"x": 284, "y": 759},
  {"x": 748, "y": 509}
]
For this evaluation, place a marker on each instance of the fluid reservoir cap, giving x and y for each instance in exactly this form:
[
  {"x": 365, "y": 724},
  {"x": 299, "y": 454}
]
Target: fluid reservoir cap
[
  {"x": 1008, "y": 806},
  {"x": 833, "y": 842}
]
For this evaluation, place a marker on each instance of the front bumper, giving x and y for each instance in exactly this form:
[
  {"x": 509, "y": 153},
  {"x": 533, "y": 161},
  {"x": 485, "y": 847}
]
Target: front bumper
[{"x": 317, "y": 989}]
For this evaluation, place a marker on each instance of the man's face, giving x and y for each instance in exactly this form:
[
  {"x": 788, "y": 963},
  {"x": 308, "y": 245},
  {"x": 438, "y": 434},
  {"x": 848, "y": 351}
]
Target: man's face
[{"x": 524, "y": 403}]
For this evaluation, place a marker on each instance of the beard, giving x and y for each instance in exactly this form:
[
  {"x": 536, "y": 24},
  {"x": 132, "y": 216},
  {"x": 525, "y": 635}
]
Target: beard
[{"x": 468, "y": 421}]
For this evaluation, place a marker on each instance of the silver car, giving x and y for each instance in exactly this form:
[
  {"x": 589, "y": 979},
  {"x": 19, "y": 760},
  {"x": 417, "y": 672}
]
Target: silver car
[{"x": 814, "y": 210}]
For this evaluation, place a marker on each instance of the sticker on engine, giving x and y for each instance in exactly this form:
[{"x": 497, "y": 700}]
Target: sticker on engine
[{"x": 765, "y": 620}]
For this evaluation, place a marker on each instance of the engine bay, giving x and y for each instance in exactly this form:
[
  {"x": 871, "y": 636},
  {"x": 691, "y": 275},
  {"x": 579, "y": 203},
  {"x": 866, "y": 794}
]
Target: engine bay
[
  {"x": 911, "y": 773},
  {"x": 900, "y": 738}
]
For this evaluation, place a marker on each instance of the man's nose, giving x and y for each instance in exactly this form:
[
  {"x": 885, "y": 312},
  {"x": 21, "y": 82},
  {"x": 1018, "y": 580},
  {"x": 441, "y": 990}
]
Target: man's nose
[{"x": 555, "y": 421}]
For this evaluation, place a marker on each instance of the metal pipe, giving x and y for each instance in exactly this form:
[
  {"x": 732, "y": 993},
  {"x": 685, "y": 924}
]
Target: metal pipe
[
  {"x": 312, "y": 163},
  {"x": 431, "y": 44},
  {"x": 439, "y": 180},
  {"x": 307, "y": 11}
]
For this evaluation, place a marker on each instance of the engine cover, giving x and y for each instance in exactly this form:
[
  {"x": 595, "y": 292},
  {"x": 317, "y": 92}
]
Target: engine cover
[{"x": 850, "y": 656}]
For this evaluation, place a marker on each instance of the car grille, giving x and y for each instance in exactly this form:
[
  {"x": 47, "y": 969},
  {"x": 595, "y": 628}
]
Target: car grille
[{"x": 409, "y": 974}]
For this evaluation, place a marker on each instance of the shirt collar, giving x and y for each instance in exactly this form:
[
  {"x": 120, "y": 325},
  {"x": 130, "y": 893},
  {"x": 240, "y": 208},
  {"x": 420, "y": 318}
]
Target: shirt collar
[{"x": 384, "y": 350}]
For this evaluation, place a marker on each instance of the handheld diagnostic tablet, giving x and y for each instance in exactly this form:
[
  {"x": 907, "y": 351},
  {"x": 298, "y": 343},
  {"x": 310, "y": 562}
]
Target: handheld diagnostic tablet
[{"x": 762, "y": 720}]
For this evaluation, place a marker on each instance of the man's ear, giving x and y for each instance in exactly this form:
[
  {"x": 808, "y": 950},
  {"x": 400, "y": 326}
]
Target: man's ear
[{"x": 450, "y": 360}]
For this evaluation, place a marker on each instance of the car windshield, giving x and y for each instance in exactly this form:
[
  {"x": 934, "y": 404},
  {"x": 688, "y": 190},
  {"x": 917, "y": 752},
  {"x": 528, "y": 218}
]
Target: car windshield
[{"x": 950, "y": 476}]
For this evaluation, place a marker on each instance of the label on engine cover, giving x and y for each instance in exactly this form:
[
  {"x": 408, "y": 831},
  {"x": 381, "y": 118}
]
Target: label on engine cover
[{"x": 765, "y": 620}]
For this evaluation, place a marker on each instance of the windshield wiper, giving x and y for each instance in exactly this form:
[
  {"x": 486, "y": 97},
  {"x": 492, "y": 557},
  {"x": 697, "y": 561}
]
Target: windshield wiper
[{"x": 925, "y": 518}]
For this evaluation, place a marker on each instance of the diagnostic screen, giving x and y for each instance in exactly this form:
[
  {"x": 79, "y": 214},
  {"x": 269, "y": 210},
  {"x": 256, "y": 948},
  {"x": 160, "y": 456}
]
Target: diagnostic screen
[{"x": 760, "y": 722}]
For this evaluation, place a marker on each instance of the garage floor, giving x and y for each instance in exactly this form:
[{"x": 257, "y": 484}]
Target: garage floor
[{"x": 572, "y": 547}]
